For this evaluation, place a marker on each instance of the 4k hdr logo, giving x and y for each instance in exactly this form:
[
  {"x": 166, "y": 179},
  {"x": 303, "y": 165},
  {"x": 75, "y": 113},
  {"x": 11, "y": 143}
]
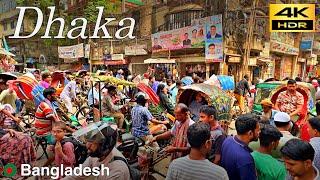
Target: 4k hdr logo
[
  {"x": 292, "y": 18},
  {"x": 9, "y": 170}
]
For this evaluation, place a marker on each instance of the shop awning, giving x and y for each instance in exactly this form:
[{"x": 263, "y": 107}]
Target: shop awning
[
  {"x": 159, "y": 61},
  {"x": 118, "y": 62},
  {"x": 136, "y": 2}
]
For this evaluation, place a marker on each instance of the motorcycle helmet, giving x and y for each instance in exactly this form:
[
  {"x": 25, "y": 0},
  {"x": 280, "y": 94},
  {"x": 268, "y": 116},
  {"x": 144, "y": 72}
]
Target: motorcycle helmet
[{"x": 102, "y": 133}]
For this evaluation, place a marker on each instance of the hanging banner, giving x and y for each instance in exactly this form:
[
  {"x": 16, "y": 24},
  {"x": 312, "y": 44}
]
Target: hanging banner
[
  {"x": 196, "y": 36},
  {"x": 135, "y": 50},
  {"x": 87, "y": 51},
  {"x": 70, "y": 52},
  {"x": 214, "y": 39},
  {"x": 283, "y": 48}
]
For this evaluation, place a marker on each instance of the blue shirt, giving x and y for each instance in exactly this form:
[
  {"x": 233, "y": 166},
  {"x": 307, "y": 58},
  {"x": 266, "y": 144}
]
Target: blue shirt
[
  {"x": 237, "y": 160},
  {"x": 140, "y": 117},
  {"x": 174, "y": 93},
  {"x": 92, "y": 96}
]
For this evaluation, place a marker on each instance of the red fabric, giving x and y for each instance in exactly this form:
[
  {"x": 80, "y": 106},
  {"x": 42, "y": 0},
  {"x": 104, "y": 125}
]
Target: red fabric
[
  {"x": 23, "y": 87},
  {"x": 152, "y": 95}
]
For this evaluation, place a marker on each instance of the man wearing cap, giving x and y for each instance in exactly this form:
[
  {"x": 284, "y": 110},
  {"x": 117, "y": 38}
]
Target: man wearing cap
[
  {"x": 268, "y": 113},
  {"x": 283, "y": 124},
  {"x": 290, "y": 101}
]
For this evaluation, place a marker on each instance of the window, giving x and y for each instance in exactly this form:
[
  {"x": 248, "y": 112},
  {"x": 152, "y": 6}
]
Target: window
[
  {"x": 12, "y": 25},
  {"x": 182, "y": 19}
]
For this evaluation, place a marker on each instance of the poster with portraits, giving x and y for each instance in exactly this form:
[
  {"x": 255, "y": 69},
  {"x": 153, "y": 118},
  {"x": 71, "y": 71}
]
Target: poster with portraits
[
  {"x": 214, "y": 39},
  {"x": 203, "y": 33}
]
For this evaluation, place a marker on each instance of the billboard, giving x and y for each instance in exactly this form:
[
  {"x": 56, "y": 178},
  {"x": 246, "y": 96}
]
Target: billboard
[
  {"x": 198, "y": 35},
  {"x": 71, "y": 52},
  {"x": 214, "y": 39}
]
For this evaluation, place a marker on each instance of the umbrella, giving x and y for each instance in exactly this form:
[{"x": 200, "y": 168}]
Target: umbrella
[
  {"x": 7, "y": 76},
  {"x": 5, "y": 52}
]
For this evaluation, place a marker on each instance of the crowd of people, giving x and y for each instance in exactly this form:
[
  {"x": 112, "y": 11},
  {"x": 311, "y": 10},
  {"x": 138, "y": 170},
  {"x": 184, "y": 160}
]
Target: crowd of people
[{"x": 264, "y": 147}]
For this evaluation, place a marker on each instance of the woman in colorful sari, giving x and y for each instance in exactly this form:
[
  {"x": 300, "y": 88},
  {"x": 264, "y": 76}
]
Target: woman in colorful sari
[{"x": 16, "y": 148}]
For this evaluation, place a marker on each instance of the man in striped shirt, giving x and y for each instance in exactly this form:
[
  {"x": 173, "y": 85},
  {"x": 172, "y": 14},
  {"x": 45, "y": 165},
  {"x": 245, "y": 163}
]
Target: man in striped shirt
[{"x": 45, "y": 115}]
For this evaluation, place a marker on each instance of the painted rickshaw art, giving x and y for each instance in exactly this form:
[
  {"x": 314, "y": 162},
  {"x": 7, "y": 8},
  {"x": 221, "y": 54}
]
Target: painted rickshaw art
[
  {"x": 213, "y": 96},
  {"x": 272, "y": 90}
]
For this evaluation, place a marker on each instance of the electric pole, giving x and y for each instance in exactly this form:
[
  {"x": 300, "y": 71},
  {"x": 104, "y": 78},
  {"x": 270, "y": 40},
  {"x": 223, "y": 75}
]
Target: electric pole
[{"x": 249, "y": 38}]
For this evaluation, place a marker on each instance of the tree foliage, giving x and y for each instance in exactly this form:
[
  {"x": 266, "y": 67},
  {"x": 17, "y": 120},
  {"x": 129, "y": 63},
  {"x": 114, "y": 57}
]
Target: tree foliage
[{"x": 91, "y": 11}]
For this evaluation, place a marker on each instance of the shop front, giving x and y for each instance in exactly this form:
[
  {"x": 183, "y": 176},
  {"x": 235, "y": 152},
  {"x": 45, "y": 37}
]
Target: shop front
[
  {"x": 284, "y": 57},
  {"x": 300, "y": 68},
  {"x": 190, "y": 66},
  {"x": 234, "y": 66}
]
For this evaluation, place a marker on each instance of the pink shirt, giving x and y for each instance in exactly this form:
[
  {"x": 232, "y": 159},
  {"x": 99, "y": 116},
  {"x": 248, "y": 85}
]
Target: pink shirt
[
  {"x": 68, "y": 158},
  {"x": 44, "y": 84}
]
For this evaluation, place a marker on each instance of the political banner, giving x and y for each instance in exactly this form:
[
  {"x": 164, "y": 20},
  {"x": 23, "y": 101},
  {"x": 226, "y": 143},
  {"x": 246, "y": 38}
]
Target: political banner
[
  {"x": 214, "y": 39},
  {"x": 198, "y": 35},
  {"x": 71, "y": 52},
  {"x": 170, "y": 40}
]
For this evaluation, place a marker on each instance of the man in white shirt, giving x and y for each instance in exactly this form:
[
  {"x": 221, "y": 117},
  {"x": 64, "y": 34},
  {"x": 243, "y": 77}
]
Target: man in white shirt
[{"x": 69, "y": 94}]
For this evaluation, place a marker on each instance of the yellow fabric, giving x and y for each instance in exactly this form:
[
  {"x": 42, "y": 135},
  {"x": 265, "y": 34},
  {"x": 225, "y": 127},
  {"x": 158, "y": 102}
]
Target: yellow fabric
[{"x": 240, "y": 100}]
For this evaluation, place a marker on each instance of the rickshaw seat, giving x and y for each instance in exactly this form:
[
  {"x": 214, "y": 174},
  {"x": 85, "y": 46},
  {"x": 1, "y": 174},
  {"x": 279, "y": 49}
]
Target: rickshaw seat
[
  {"x": 301, "y": 122},
  {"x": 305, "y": 100}
]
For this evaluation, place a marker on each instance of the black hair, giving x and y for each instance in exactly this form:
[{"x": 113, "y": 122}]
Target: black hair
[
  {"x": 186, "y": 34},
  {"x": 197, "y": 134},
  {"x": 298, "y": 79},
  {"x": 281, "y": 124},
  {"x": 195, "y": 30},
  {"x": 246, "y": 122},
  {"x": 184, "y": 108},
  {"x": 209, "y": 110},
  {"x": 268, "y": 135},
  {"x": 292, "y": 81},
  {"x": 141, "y": 100},
  {"x": 178, "y": 83},
  {"x": 318, "y": 108},
  {"x": 212, "y": 45},
  {"x": 315, "y": 123},
  {"x": 150, "y": 77},
  {"x": 246, "y": 76},
  {"x": 298, "y": 150},
  {"x": 160, "y": 88},
  {"x": 111, "y": 88},
  {"x": 213, "y": 26},
  {"x": 49, "y": 91}
]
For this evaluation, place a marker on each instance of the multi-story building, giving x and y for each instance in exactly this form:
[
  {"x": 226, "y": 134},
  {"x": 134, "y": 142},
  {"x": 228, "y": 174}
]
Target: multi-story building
[{"x": 27, "y": 51}]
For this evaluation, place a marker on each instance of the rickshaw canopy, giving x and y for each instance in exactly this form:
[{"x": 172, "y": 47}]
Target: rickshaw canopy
[{"x": 212, "y": 94}]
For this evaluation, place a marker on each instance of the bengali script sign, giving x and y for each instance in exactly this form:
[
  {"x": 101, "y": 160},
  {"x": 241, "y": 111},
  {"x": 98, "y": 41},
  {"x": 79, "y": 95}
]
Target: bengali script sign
[{"x": 71, "y": 52}]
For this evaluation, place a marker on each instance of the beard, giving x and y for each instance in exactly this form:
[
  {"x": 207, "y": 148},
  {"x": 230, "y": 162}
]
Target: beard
[{"x": 95, "y": 154}]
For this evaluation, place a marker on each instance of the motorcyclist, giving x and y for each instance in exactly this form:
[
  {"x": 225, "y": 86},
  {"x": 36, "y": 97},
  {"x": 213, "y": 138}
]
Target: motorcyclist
[{"x": 101, "y": 139}]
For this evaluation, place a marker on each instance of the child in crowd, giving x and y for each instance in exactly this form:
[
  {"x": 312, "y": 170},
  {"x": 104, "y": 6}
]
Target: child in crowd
[{"x": 63, "y": 151}]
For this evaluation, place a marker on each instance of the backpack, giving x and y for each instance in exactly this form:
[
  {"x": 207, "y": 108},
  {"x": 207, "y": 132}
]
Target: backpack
[
  {"x": 80, "y": 150},
  {"x": 215, "y": 136},
  {"x": 134, "y": 173}
]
